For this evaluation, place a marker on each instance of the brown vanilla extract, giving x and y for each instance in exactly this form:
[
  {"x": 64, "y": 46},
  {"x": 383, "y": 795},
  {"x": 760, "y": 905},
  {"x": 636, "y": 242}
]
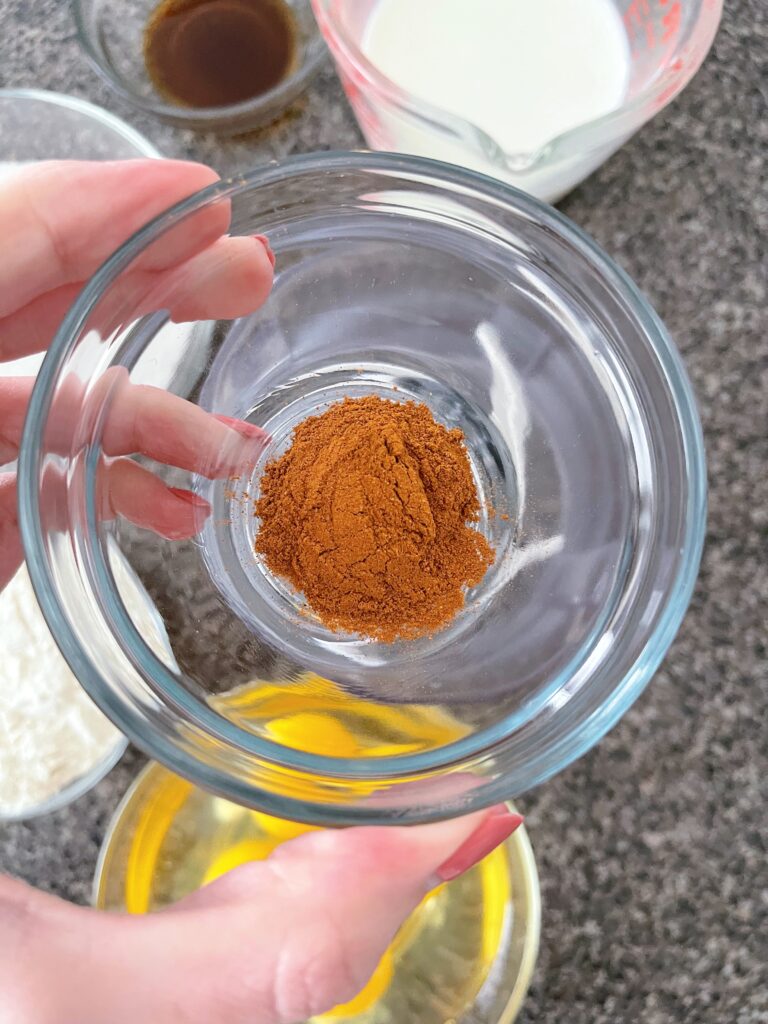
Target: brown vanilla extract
[{"x": 212, "y": 53}]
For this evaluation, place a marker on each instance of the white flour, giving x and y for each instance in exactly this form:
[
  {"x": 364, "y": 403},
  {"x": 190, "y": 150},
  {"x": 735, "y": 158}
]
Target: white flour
[{"x": 50, "y": 731}]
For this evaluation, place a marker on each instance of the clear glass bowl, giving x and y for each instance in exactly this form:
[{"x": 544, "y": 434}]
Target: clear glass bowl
[
  {"x": 666, "y": 42},
  {"x": 466, "y": 954},
  {"x": 111, "y": 33},
  {"x": 410, "y": 280}
]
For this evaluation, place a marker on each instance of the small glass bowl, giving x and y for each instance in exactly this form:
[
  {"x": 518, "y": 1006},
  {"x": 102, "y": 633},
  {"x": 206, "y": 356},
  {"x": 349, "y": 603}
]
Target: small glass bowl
[
  {"x": 406, "y": 279},
  {"x": 167, "y": 838},
  {"x": 111, "y": 34}
]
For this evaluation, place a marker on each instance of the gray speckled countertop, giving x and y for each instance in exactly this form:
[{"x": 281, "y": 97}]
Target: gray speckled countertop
[{"x": 653, "y": 849}]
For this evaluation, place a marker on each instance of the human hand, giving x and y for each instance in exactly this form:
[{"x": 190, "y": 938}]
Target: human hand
[
  {"x": 61, "y": 220},
  {"x": 274, "y": 941}
]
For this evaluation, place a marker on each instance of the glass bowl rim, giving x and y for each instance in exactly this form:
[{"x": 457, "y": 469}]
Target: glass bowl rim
[
  {"x": 90, "y": 110},
  {"x": 566, "y": 748},
  {"x": 278, "y": 96}
]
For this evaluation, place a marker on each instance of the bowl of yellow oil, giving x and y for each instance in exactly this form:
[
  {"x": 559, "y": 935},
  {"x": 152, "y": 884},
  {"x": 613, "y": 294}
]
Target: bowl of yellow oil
[{"x": 465, "y": 954}]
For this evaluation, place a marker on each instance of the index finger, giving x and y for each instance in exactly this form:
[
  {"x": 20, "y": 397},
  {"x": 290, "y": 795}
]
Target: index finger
[{"x": 62, "y": 219}]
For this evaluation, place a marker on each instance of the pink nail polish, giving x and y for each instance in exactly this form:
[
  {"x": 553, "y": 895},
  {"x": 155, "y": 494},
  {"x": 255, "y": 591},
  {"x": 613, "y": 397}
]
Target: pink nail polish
[
  {"x": 265, "y": 242},
  {"x": 497, "y": 826},
  {"x": 248, "y": 430},
  {"x": 189, "y": 497}
]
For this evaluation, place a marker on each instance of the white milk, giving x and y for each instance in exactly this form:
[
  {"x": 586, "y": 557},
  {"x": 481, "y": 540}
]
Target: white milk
[{"x": 524, "y": 71}]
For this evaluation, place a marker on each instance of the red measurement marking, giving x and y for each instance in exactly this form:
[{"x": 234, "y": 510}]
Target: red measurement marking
[
  {"x": 636, "y": 16},
  {"x": 671, "y": 22},
  {"x": 632, "y": 14},
  {"x": 350, "y": 88}
]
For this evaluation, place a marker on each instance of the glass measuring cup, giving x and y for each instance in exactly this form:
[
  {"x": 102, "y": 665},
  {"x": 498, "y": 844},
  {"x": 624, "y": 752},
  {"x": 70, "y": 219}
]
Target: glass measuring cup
[
  {"x": 411, "y": 280},
  {"x": 667, "y": 42}
]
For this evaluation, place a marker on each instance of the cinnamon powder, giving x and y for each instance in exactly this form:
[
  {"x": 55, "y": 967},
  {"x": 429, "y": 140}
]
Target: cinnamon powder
[{"x": 369, "y": 515}]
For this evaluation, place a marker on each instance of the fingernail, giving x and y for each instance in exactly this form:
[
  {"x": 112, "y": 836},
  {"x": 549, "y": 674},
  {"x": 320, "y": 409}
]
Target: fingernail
[
  {"x": 249, "y": 430},
  {"x": 265, "y": 242},
  {"x": 497, "y": 826},
  {"x": 189, "y": 497}
]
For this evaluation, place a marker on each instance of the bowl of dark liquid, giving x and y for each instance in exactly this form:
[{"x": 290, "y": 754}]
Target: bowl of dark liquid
[{"x": 214, "y": 65}]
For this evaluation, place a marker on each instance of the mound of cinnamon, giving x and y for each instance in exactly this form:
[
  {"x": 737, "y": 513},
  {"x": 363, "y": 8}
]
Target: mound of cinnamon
[{"x": 369, "y": 514}]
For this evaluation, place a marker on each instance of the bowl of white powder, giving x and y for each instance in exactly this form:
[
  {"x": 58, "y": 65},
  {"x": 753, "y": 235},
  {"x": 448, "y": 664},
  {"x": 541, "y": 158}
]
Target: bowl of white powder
[
  {"x": 55, "y": 744},
  {"x": 536, "y": 94}
]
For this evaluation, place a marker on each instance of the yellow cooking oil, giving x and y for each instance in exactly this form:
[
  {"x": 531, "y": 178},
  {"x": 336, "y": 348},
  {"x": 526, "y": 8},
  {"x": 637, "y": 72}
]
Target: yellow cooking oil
[
  {"x": 316, "y": 716},
  {"x": 176, "y": 838}
]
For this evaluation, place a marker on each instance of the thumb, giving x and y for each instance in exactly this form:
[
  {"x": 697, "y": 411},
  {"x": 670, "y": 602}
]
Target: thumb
[{"x": 281, "y": 940}]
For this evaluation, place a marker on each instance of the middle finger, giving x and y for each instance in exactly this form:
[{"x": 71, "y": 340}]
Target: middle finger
[{"x": 141, "y": 420}]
